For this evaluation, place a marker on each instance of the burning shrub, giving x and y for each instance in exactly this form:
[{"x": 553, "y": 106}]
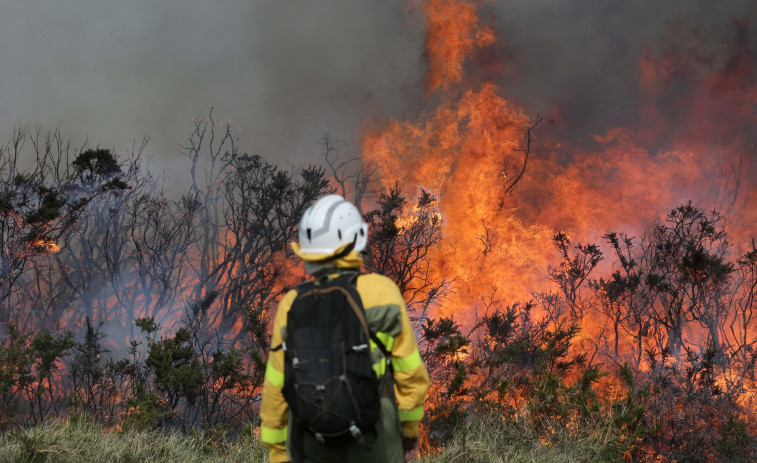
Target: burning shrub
[
  {"x": 443, "y": 349},
  {"x": 539, "y": 360},
  {"x": 402, "y": 234},
  {"x": 521, "y": 371},
  {"x": 39, "y": 206},
  {"x": 30, "y": 375},
  {"x": 688, "y": 416}
]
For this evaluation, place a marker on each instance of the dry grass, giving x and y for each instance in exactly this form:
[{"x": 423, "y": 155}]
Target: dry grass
[
  {"x": 493, "y": 439},
  {"x": 86, "y": 442},
  {"x": 486, "y": 439}
]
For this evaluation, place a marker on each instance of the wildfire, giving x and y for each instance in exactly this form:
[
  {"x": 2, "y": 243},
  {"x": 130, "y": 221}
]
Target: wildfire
[
  {"x": 470, "y": 147},
  {"x": 409, "y": 217},
  {"x": 471, "y": 141}
]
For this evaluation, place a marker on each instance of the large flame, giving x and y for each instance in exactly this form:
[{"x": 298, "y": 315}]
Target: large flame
[
  {"x": 502, "y": 199},
  {"x": 470, "y": 142},
  {"x": 465, "y": 152}
]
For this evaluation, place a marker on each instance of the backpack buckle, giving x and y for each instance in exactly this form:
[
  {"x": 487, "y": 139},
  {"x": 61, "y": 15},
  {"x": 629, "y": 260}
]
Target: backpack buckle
[
  {"x": 360, "y": 348},
  {"x": 295, "y": 363},
  {"x": 356, "y": 432}
]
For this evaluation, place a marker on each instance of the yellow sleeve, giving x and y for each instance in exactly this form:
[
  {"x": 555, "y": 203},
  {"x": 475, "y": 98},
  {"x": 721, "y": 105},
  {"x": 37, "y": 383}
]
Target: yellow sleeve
[
  {"x": 411, "y": 379},
  {"x": 274, "y": 411},
  {"x": 388, "y": 316}
]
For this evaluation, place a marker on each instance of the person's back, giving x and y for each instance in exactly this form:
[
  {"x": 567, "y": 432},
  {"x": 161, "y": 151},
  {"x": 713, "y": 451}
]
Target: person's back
[{"x": 331, "y": 235}]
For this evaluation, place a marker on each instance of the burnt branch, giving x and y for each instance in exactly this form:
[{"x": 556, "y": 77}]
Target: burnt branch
[
  {"x": 485, "y": 239},
  {"x": 511, "y": 184}
]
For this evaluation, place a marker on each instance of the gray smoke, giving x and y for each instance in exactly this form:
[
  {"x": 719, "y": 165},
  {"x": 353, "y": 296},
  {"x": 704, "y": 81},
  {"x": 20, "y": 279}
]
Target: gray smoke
[
  {"x": 282, "y": 72},
  {"x": 582, "y": 56},
  {"x": 285, "y": 72}
]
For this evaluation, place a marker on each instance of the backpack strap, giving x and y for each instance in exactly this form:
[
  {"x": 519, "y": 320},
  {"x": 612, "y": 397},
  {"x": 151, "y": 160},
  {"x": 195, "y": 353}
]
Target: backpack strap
[
  {"x": 351, "y": 278},
  {"x": 379, "y": 344},
  {"x": 299, "y": 288}
]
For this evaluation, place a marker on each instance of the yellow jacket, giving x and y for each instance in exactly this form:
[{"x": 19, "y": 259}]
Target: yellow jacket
[{"x": 387, "y": 317}]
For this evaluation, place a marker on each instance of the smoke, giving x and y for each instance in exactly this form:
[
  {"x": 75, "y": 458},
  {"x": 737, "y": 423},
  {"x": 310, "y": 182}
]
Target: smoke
[
  {"x": 285, "y": 72},
  {"x": 282, "y": 72},
  {"x": 582, "y": 57}
]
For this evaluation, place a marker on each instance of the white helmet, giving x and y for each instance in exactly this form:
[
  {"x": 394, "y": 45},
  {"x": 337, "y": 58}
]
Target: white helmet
[{"x": 330, "y": 223}]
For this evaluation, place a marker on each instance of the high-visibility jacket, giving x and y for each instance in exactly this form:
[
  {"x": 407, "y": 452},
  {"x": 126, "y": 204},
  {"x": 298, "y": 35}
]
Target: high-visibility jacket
[{"x": 387, "y": 317}]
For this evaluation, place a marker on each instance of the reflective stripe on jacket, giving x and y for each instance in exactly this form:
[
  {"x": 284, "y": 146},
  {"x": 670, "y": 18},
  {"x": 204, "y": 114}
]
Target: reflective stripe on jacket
[{"x": 387, "y": 317}]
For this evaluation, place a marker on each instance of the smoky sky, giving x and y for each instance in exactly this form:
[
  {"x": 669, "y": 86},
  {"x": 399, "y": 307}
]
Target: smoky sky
[
  {"x": 285, "y": 72},
  {"x": 582, "y": 57}
]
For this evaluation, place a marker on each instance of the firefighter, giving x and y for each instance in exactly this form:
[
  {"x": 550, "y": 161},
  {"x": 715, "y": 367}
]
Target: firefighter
[{"x": 331, "y": 236}]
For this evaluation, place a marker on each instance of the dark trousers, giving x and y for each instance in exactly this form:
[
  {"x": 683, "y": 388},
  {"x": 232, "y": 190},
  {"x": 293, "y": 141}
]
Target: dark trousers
[{"x": 385, "y": 445}]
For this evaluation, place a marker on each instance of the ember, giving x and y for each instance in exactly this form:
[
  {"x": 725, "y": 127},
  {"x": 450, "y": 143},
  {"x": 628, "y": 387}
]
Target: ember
[{"x": 48, "y": 245}]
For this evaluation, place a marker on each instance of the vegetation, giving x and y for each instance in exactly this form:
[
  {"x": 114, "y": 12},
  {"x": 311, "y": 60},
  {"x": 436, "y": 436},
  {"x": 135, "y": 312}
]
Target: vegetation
[
  {"x": 683, "y": 397},
  {"x": 80, "y": 441},
  {"x": 487, "y": 439},
  {"x": 494, "y": 438},
  {"x": 135, "y": 327}
]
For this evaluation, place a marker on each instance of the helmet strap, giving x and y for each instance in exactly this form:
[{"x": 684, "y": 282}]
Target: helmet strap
[{"x": 347, "y": 249}]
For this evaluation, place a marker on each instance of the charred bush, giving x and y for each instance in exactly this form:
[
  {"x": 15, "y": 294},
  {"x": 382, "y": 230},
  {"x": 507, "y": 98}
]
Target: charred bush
[
  {"x": 98, "y": 383},
  {"x": 16, "y": 362},
  {"x": 403, "y": 232},
  {"x": 688, "y": 415}
]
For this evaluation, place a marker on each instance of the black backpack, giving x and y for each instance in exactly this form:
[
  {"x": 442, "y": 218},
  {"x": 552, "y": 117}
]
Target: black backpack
[{"x": 329, "y": 381}]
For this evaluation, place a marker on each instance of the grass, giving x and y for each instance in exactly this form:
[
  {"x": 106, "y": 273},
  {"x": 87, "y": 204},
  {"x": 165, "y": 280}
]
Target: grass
[
  {"x": 485, "y": 439},
  {"x": 83, "y": 442},
  {"x": 494, "y": 439}
]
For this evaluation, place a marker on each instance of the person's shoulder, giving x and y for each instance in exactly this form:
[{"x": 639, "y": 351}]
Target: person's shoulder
[
  {"x": 379, "y": 287},
  {"x": 290, "y": 295},
  {"x": 377, "y": 279},
  {"x": 286, "y": 303}
]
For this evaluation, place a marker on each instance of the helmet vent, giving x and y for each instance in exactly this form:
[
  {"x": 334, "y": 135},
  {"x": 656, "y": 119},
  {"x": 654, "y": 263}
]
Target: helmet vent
[
  {"x": 339, "y": 232},
  {"x": 310, "y": 232},
  {"x": 362, "y": 232}
]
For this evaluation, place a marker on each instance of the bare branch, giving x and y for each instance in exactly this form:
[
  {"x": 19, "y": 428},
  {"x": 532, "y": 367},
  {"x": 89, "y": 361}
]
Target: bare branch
[{"x": 526, "y": 152}]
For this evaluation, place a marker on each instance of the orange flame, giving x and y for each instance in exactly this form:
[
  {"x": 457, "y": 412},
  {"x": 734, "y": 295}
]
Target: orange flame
[
  {"x": 469, "y": 147},
  {"x": 454, "y": 32},
  {"x": 49, "y": 245}
]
